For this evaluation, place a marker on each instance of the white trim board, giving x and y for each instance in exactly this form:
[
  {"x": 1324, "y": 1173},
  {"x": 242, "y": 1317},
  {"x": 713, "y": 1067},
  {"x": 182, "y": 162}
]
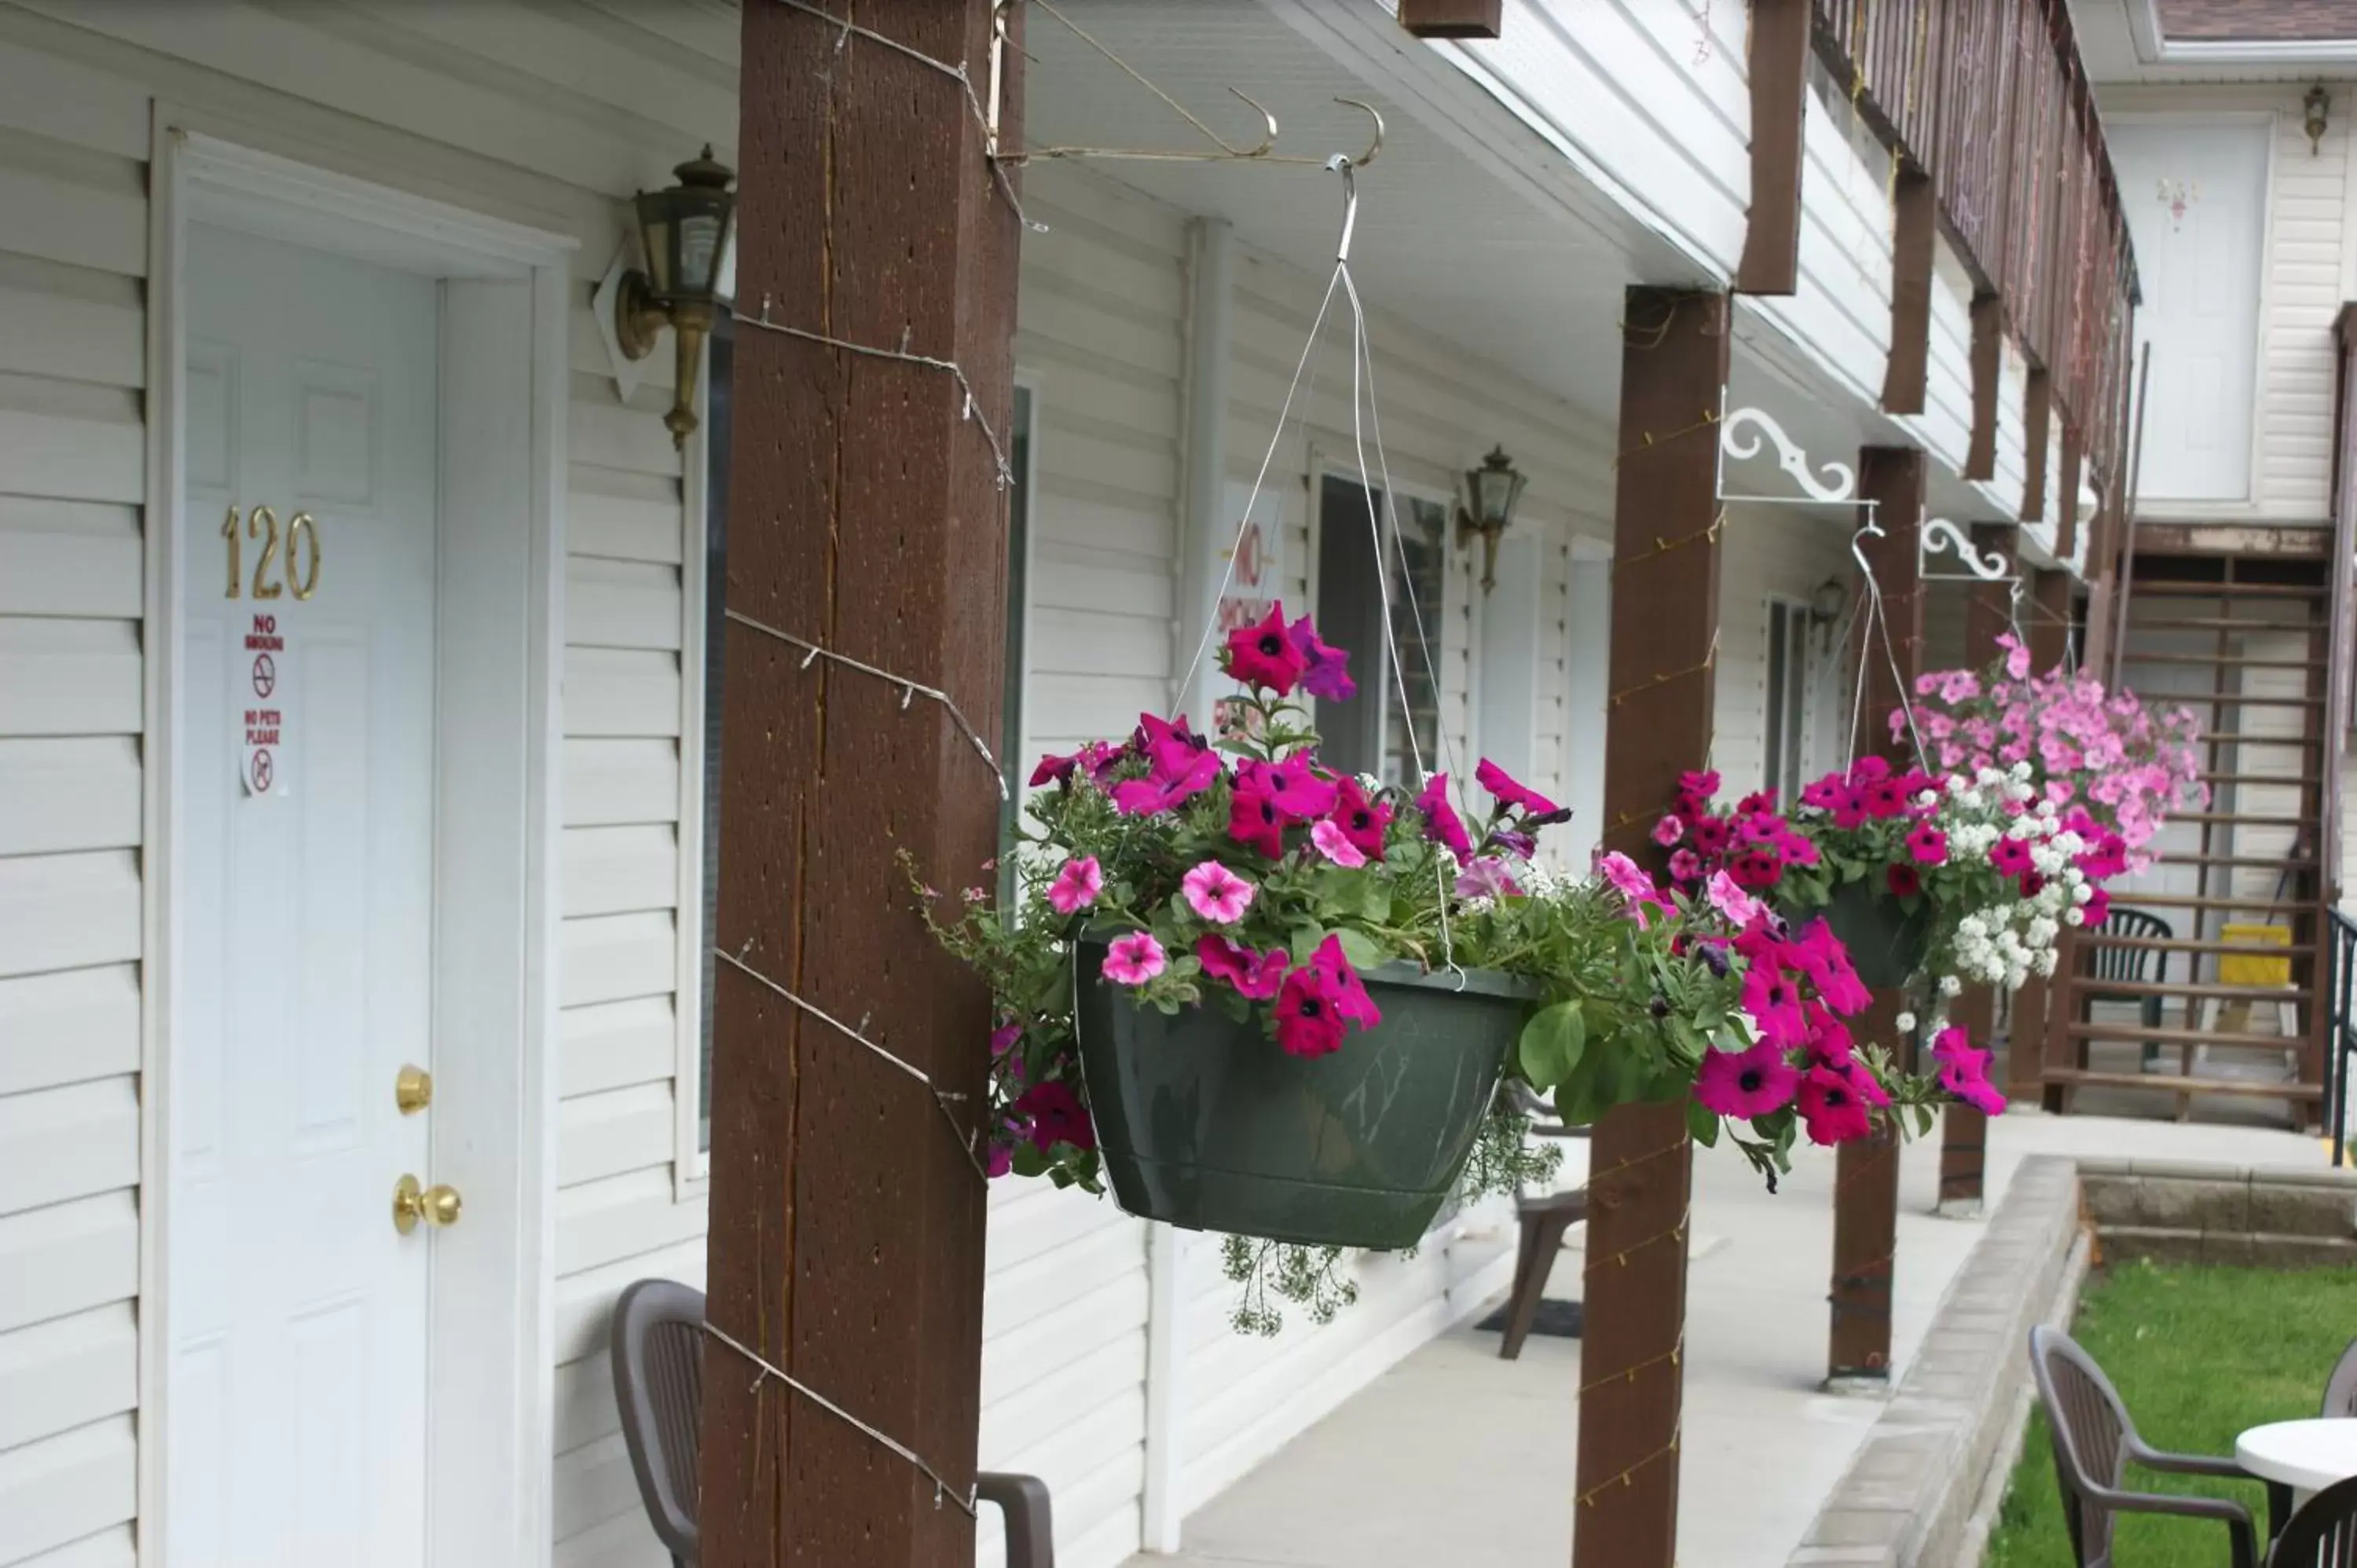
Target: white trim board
[{"x": 502, "y": 413}]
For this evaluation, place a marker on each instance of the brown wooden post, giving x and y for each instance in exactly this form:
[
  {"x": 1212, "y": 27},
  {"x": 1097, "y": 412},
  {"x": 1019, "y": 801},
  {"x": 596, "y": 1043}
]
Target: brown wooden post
[
  {"x": 1780, "y": 95},
  {"x": 1916, "y": 225},
  {"x": 1866, "y": 1173},
  {"x": 1988, "y": 374},
  {"x": 2038, "y": 1046},
  {"x": 1657, "y": 725},
  {"x": 2066, "y": 494},
  {"x": 1453, "y": 19},
  {"x": 1963, "y": 1130},
  {"x": 2036, "y": 439},
  {"x": 867, "y": 516}
]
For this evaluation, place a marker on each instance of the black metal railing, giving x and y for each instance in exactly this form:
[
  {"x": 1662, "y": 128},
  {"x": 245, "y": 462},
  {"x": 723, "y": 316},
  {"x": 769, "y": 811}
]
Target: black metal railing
[{"x": 2341, "y": 1024}]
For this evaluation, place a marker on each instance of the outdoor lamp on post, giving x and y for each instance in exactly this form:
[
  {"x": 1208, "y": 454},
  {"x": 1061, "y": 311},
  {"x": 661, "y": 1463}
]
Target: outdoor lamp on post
[
  {"x": 684, "y": 233},
  {"x": 1492, "y": 489}
]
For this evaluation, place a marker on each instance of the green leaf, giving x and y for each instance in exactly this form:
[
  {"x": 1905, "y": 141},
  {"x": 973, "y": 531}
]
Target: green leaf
[
  {"x": 1363, "y": 951},
  {"x": 1552, "y": 1045},
  {"x": 1703, "y": 1123},
  {"x": 1575, "y": 1102}
]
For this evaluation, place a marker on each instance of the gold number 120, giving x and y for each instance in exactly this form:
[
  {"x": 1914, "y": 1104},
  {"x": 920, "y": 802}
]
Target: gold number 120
[{"x": 263, "y": 523}]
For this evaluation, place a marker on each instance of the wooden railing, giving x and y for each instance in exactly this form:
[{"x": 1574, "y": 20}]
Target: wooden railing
[{"x": 1989, "y": 99}]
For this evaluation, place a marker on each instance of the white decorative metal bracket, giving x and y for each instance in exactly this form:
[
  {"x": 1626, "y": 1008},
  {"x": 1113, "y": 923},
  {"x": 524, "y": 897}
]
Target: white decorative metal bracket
[
  {"x": 1940, "y": 535},
  {"x": 1739, "y": 433}
]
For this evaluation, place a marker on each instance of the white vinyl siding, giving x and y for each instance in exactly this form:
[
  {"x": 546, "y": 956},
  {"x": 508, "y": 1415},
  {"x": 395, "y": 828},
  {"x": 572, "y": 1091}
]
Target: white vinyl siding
[{"x": 72, "y": 595}]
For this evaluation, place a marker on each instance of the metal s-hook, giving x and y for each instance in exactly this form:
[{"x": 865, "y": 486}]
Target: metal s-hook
[{"x": 1347, "y": 168}]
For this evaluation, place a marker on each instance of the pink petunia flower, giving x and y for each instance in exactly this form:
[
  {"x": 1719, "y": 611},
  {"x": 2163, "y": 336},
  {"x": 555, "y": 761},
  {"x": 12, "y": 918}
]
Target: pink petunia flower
[
  {"x": 1134, "y": 958},
  {"x": 1335, "y": 844},
  {"x": 1669, "y": 831},
  {"x": 1441, "y": 823},
  {"x": 1255, "y": 975},
  {"x": 1078, "y": 882},
  {"x": 1740, "y": 907},
  {"x": 1263, "y": 656},
  {"x": 1831, "y": 1110},
  {"x": 1486, "y": 877},
  {"x": 1743, "y": 1084},
  {"x": 1308, "y": 1020},
  {"x": 1685, "y": 866},
  {"x": 2011, "y": 856},
  {"x": 1963, "y": 1072},
  {"x": 1629, "y": 879},
  {"x": 1295, "y": 788},
  {"x": 1217, "y": 893}
]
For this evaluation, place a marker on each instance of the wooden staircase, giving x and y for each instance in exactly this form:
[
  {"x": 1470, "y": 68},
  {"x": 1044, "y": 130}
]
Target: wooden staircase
[{"x": 2222, "y": 1006}]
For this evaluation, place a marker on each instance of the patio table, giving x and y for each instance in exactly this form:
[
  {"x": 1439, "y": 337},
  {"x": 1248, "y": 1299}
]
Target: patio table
[{"x": 2306, "y": 1456}]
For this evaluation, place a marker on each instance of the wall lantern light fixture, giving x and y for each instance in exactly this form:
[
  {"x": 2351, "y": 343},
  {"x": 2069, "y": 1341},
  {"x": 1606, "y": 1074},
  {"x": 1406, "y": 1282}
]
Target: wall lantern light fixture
[
  {"x": 684, "y": 235},
  {"x": 1491, "y": 492},
  {"x": 2317, "y": 106},
  {"x": 1827, "y": 603}
]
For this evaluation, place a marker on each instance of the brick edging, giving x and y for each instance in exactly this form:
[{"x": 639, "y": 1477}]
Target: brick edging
[{"x": 1910, "y": 1495}]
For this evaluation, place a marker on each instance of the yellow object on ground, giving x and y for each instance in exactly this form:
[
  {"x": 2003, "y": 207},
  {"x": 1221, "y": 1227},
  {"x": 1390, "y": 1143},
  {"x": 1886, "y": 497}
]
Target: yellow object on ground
[{"x": 2254, "y": 969}]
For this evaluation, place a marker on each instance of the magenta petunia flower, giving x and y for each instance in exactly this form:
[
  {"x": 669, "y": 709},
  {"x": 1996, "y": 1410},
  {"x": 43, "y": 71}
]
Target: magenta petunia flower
[
  {"x": 1797, "y": 850},
  {"x": 1134, "y": 958},
  {"x": 1254, "y": 821},
  {"x": 1774, "y": 1003},
  {"x": 1004, "y": 1038},
  {"x": 998, "y": 1161},
  {"x": 1299, "y": 792},
  {"x": 1057, "y": 1116},
  {"x": 1963, "y": 1072},
  {"x": 1363, "y": 821},
  {"x": 2011, "y": 856},
  {"x": 1510, "y": 792},
  {"x": 1762, "y": 866},
  {"x": 1331, "y": 841},
  {"x": 2098, "y": 906},
  {"x": 1170, "y": 746},
  {"x": 1308, "y": 1021},
  {"x": 1831, "y": 1110},
  {"x": 1743, "y": 1084},
  {"x": 1702, "y": 785},
  {"x": 1255, "y": 975},
  {"x": 1928, "y": 845},
  {"x": 1711, "y": 836},
  {"x": 1217, "y": 893},
  {"x": 1904, "y": 881},
  {"x": 1669, "y": 831},
  {"x": 1441, "y": 823},
  {"x": 1685, "y": 866},
  {"x": 1829, "y": 1039},
  {"x": 1262, "y": 656},
  {"x": 1329, "y": 674},
  {"x": 1350, "y": 994},
  {"x": 1052, "y": 769},
  {"x": 1078, "y": 882},
  {"x": 1819, "y": 954},
  {"x": 1886, "y": 797}
]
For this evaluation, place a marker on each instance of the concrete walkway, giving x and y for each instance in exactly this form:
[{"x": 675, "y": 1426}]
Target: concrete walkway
[{"x": 1456, "y": 1457}]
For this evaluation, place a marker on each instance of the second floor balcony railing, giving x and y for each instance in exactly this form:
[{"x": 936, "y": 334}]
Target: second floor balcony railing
[{"x": 1990, "y": 100}]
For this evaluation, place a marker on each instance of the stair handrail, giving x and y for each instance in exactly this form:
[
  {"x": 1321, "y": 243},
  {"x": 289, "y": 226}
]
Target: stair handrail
[{"x": 2342, "y": 608}]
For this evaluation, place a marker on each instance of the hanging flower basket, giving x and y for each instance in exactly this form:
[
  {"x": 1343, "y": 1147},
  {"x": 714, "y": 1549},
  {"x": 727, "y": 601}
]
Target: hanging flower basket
[
  {"x": 1887, "y": 941},
  {"x": 1203, "y": 1123}
]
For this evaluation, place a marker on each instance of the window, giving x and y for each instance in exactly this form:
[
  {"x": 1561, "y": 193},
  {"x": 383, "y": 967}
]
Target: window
[
  {"x": 1374, "y": 733},
  {"x": 1788, "y": 678},
  {"x": 713, "y": 563}
]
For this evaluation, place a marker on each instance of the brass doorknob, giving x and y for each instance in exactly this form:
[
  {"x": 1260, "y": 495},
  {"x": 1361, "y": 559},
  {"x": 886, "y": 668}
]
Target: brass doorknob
[
  {"x": 413, "y": 1089},
  {"x": 436, "y": 1204}
]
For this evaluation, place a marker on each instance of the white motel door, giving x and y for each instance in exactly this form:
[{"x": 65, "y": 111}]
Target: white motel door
[{"x": 304, "y": 804}]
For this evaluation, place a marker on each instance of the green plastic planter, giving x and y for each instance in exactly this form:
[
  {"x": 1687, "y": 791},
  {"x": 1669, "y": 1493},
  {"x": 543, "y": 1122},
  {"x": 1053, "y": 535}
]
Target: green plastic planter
[
  {"x": 1886, "y": 943},
  {"x": 1203, "y": 1122}
]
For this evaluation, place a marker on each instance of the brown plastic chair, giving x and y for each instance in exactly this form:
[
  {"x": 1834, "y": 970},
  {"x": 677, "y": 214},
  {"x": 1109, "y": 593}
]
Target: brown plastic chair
[
  {"x": 2094, "y": 1443},
  {"x": 657, "y": 1351},
  {"x": 2323, "y": 1534}
]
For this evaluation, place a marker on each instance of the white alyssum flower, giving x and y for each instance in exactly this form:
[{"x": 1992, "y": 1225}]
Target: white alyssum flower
[
  {"x": 1949, "y": 985},
  {"x": 1906, "y": 1022},
  {"x": 2074, "y": 916},
  {"x": 2021, "y": 769},
  {"x": 2046, "y": 962}
]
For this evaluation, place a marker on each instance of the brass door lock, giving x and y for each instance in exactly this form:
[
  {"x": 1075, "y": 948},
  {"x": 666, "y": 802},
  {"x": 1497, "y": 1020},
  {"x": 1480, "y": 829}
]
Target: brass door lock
[
  {"x": 413, "y": 1089},
  {"x": 438, "y": 1205}
]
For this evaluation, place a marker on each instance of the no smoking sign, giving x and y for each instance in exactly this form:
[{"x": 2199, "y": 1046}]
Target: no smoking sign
[{"x": 264, "y": 726}]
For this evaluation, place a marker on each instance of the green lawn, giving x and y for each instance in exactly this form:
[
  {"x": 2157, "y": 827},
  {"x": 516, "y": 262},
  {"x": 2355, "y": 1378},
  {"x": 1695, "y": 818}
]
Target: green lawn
[{"x": 2199, "y": 1354}]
